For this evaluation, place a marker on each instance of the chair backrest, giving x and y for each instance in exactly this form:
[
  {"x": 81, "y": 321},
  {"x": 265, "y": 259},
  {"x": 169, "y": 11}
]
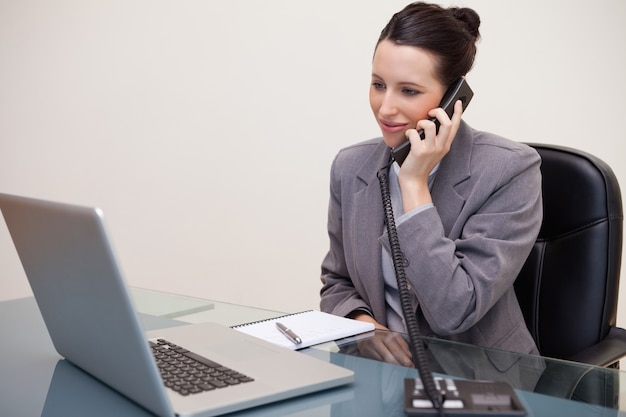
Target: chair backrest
[{"x": 568, "y": 287}]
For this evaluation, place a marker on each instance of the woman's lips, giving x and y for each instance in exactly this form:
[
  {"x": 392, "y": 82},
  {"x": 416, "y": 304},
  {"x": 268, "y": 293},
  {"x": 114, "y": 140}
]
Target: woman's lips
[{"x": 391, "y": 127}]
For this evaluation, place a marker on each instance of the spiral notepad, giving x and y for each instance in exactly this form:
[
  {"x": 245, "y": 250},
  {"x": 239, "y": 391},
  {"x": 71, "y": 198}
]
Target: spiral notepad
[{"x": 313, "y": 327}]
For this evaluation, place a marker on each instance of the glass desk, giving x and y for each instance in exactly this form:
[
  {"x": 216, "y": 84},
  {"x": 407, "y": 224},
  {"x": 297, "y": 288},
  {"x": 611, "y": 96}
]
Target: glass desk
[{"x": 37, "y": 382}]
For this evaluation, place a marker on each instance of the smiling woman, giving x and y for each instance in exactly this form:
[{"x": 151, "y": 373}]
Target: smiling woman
[{"x": 467, "y": 204}]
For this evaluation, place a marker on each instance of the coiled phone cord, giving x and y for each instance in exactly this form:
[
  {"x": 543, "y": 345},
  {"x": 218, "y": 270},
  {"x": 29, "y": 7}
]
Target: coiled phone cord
[{"x": 410, "y": 317}]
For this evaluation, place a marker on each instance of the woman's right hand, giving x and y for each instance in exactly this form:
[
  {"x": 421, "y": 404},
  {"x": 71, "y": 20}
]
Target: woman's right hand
[{"x": 361, "y": 316}]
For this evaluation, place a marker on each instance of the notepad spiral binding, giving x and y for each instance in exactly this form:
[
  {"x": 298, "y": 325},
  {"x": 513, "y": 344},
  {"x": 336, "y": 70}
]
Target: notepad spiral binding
[{"x": 252, "y": 323}]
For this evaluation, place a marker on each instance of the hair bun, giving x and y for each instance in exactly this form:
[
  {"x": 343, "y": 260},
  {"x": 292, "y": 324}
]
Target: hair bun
[{"x": 470, "y": 19}]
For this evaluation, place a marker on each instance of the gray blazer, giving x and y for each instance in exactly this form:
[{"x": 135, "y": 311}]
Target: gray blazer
[{"x": 462, "y": 255}]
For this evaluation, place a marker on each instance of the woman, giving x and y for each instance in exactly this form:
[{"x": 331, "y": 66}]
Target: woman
[{"x": 467, "y": 203}]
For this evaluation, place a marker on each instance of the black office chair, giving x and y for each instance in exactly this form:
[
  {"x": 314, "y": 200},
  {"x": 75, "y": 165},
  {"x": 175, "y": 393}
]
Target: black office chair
[{"x": 568, "y": 288}]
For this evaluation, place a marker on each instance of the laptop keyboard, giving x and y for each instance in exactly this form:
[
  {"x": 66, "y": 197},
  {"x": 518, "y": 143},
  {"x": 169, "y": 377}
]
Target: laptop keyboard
[{"x": 188, "y": 373}]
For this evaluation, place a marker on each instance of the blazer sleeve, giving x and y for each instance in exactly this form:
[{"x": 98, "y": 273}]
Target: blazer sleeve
[{"x": 458, "y": 278}]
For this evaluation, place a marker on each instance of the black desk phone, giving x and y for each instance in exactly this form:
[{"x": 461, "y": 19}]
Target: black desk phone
[{"x": 463, "y": 399}]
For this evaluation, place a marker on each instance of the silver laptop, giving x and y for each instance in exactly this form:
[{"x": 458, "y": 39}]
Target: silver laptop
[{"x": 88, "y": 312}]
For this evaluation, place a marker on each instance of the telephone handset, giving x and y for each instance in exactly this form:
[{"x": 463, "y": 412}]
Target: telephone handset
[{"x": 459, "y": 90}]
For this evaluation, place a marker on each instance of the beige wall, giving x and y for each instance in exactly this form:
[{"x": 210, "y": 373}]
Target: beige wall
[{"x": 205, "y": 130}]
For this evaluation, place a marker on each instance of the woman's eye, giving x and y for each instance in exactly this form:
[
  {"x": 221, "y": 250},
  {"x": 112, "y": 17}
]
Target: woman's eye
[
  {"x": 409, "y": 92},
  {"x": 378, "y": 86}
]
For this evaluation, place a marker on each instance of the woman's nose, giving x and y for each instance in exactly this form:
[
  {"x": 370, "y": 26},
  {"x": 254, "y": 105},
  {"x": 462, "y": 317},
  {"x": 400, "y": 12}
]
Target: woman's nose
[{"x": 387, "y": 105}]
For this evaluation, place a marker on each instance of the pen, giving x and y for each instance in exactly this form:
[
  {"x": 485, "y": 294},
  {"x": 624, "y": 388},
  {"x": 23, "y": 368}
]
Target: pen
[{"x": 289, "y": 334}]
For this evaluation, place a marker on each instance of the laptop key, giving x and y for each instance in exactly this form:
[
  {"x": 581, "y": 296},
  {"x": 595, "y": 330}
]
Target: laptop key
[{"x": 202, "y": 360}]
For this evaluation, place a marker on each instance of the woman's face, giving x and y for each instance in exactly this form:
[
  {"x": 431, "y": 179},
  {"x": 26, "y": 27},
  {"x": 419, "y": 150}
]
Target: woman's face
[{"x": 403, "y": 89}]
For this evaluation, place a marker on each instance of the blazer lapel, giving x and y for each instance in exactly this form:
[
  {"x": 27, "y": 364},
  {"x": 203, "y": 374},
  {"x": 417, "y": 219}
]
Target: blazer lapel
[
  {"x": 454, "y": 169},
  {"x": 368, "y": 224}
]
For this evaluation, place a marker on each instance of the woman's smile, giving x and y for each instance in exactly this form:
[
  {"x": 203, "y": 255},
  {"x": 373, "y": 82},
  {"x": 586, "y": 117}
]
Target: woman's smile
[{"x": 391, "y": 127}]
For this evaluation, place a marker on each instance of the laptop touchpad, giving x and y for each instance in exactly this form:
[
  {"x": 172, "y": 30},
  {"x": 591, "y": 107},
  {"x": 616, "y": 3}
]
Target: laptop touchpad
[{"x": 242, "y": 350}]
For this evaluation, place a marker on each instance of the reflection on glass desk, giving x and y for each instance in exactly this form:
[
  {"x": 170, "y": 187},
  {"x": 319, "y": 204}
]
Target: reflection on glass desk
[{"x": 37, "y": 382}]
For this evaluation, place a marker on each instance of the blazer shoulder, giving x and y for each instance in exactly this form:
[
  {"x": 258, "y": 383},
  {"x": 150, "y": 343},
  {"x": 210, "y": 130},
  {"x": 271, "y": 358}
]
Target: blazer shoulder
[
  {"x": 493, "y": 144},
  {"x": 365, "y": 147},
  {"x": 353, "y": 157}
]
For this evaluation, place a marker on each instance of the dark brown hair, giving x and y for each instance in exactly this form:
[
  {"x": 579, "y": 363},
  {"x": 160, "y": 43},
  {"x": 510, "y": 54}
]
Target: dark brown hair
[{"x": 450, "y": 34}]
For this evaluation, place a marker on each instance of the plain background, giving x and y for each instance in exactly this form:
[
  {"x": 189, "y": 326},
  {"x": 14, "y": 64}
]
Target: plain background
[{"x": 205, "y": 130}]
